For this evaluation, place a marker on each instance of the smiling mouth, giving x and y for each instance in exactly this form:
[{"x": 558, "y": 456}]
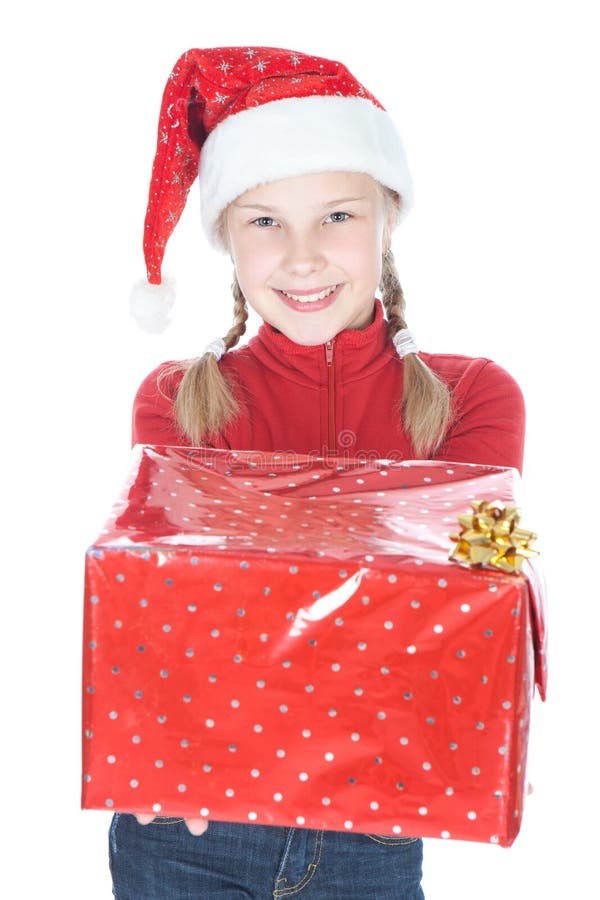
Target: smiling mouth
[{"x": 310, "y": 298}]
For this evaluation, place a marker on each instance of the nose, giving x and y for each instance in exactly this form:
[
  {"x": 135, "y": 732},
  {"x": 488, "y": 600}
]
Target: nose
[{"x": 303, "y": 255}]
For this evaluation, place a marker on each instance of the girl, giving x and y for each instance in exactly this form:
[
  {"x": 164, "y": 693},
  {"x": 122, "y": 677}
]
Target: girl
[{"x": 303, "y": 179}]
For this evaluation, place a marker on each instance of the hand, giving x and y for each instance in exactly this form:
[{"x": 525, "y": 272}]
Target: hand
[{"x": 195, "y": 826}]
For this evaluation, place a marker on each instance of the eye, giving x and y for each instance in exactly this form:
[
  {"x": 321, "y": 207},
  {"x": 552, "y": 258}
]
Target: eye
[
  {"x": 264, "y": 221},
  {"x": 338, "y": 217}
]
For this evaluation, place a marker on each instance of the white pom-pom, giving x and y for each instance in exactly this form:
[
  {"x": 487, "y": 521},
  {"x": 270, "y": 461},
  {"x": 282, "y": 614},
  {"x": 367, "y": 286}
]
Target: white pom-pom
[{"x": 151, "y": 304}]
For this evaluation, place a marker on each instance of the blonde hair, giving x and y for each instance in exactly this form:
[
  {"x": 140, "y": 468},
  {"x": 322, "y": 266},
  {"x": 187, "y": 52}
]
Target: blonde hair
[
  {"x": 425, "y": 407},
  {"x": 205, "y": 400},
  {"x": 206, "y": 403}
]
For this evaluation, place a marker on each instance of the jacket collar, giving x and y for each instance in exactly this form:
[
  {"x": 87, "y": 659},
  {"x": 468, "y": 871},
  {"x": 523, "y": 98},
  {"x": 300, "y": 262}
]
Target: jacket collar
[{"x": 356, "y": 353}]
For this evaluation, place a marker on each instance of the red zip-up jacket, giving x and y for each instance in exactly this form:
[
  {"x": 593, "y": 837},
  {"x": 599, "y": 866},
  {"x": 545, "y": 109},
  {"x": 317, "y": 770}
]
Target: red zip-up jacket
[{"x": 343, "y": 398}]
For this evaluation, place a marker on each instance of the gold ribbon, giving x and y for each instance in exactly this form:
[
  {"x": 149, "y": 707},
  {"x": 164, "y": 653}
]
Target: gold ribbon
[{"x": 491, "y": 536}]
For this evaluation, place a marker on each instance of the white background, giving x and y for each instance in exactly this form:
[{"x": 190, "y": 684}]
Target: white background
[{"x": 498, "y": 106}]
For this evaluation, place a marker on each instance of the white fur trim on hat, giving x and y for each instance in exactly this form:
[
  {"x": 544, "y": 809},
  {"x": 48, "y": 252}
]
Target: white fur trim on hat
[{"x": 297, "y": 136}]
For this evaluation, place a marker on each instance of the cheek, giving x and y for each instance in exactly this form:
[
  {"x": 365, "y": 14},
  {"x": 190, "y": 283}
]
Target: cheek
[
  {"x": 254, "y": 280},
  {"x": 249, "y": 264},
  {"x": 254, "y": 254},
  {"x": 362, "y": 252},
  {"x": 365, "y": 262}
]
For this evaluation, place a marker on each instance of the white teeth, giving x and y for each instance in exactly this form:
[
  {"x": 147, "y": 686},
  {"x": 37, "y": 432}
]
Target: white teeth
[{"x": 311, "y": 298}]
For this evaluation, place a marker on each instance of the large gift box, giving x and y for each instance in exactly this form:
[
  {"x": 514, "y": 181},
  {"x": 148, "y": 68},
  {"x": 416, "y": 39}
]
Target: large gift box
[{"x": 283, "y": 639}]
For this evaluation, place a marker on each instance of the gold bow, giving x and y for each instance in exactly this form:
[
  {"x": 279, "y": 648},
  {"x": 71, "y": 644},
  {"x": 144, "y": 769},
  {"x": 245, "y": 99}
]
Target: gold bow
[{"x": 491, "y": 536}]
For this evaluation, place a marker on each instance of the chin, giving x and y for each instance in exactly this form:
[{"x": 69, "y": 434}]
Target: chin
[
  {"x": 312, "y": 333},
  {"x": 311, "y": 338}
]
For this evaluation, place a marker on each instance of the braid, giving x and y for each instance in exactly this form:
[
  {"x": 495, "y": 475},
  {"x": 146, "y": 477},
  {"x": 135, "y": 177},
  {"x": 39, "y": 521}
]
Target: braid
[
  {"x": 425, "y": 406},
  {"x": 240, "y": 315},
  {"x": 205, "y": 401},
  {"x": 392, "y": 295}
]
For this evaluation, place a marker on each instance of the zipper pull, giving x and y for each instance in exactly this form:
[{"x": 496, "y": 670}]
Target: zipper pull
[{"x": 329, "y": 352}]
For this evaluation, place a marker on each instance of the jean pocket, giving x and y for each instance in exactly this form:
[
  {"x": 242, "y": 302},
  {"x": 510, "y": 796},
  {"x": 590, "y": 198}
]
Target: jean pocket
[
  {"x": 391, "y": 840},
  {"x": 165, "y": 820}
]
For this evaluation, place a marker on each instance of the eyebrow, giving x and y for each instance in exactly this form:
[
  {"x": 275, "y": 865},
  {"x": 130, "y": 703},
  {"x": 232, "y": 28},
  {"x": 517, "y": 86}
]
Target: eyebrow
[
  {"x": 270, "y": 209},
  {"x": 343, "y": 200},
  {"x": 253, "y": 206}
]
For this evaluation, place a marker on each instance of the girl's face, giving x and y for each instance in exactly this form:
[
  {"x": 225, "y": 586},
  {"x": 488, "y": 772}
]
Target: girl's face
[{"x": 308, "y": 251}]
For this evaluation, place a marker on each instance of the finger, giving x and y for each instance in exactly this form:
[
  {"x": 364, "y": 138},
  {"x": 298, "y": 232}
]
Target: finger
[
  {"x": 197, "y": 826},
  {"x": 144, "y": 818}
]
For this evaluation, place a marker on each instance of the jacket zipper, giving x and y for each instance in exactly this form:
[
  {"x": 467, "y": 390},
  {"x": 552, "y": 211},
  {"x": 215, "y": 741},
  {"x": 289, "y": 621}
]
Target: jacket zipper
[{"x": 331, "y": 440}]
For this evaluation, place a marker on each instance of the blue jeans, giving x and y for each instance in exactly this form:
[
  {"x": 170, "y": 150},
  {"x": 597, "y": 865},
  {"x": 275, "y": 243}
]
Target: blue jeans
[{"x": 163, "y": 861}]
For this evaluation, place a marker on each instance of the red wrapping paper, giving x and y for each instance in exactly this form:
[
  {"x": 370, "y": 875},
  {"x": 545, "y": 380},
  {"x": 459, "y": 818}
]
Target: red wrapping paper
[{"x": 283, "y": 640}]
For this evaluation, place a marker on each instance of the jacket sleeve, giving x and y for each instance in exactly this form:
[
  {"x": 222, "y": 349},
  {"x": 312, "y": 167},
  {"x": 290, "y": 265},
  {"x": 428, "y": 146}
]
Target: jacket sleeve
[
  {"x": 489, "y": 418},
  {"x": 153, "y": 413}
]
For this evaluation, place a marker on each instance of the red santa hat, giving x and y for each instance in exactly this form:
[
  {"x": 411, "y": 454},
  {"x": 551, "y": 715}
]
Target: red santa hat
[{"x": 237, "y": 117}]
